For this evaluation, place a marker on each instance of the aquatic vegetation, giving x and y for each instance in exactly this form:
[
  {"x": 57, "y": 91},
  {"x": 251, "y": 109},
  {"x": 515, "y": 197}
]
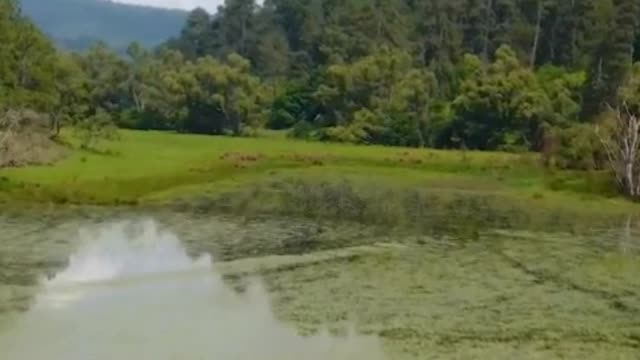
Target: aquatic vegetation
[{"x": 570, "y": 291}]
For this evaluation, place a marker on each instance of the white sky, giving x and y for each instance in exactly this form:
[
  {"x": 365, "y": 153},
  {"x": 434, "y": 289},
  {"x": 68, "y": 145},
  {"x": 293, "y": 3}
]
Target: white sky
[{"x": 209, "y": 5}]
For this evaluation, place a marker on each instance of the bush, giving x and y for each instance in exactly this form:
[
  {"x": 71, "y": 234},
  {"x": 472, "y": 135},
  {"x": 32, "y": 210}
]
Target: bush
[
  {"x": 576, "y": 147},
  {"x": 25, "y": 138},
  {"x": 289, "y": 108},
  {"x": 302, "y": 130},
  {"x": 92, "y": 130}
]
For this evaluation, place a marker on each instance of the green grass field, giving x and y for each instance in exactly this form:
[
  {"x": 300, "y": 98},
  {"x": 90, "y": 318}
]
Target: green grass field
[{"x": 156, "y": 167}]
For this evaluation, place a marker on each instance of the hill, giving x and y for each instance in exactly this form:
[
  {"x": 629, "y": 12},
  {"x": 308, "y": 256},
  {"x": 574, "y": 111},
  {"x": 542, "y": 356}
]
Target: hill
[{"x": 74, "y": 24}]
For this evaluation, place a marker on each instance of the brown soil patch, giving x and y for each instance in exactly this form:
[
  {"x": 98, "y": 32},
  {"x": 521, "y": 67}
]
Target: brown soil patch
[{"x": 25, "y": 140}]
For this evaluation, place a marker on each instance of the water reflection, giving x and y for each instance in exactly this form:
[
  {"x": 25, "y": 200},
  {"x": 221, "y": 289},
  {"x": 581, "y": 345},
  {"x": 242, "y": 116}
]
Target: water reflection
[{"x": 132, "y": 292}]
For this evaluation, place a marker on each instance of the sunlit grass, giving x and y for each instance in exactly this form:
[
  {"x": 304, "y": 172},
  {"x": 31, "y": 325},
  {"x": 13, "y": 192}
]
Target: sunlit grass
[{"x": 145, "y": 167}]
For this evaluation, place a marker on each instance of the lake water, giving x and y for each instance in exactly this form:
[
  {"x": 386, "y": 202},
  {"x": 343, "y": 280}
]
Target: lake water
[{"x": 84, "y": 284}]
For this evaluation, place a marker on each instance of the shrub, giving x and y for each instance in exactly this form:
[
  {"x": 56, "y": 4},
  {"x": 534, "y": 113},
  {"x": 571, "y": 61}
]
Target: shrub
[
  {"x": 25, "y": 138},
  {"x": 576, "y": 147},
  {"x": 302, "y": 130},
  {"x": 92, "y": 130}
]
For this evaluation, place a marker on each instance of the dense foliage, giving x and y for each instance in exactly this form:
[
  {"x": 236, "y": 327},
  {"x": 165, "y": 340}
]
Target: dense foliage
[{"x": 481, "y": 74}]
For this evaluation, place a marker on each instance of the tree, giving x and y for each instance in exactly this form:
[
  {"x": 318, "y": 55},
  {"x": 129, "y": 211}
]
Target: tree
[
  {"x": 138, "y": 75},
  {"x": 381, "y": 98},
  {"x": 441, "y": 32},
  {"x": 529, "y": 28},
  {"x": 295, "y": 104},
  {"x": 71, "y": 96},
  {"x": 271, "y": 56},
  {"x": 26, "y": 61},
  {"x": 237, "y": 25},
  {"x": 93, "y": 129},
  {"x": 197, "y": 36},
  {"x": 208, "y": 96},
  {"x": 564, "y": 30},
  {"x": 107, "y": 74},
  {"x": 298, "y": 20},
  {"x": 620, "y": 136},
  {"x": 502, "y": 106},
  {"x": 410, "y": 103},
  {"x": 354, "y": 29},
  {"x": 564, "y": 90},
  {"x": 614, "y": 23},
  {"x": 359, "y": 85}
]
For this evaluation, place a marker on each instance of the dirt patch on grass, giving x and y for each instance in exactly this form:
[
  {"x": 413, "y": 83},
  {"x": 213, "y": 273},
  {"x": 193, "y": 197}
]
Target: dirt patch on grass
[
  {"x": 29, "y": 149},
  {"x": 315, "y": 160},
  {"x": 25, "y": 140},
  {"x": 240, "y": 160}
]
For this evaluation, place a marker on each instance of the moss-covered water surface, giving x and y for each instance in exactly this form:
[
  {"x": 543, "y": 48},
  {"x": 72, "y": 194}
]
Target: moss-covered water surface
[{"x": 484, "y": 289}]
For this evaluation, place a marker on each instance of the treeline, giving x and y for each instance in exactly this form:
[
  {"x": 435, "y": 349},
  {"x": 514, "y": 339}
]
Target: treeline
[{"x": 479, "y": 74}]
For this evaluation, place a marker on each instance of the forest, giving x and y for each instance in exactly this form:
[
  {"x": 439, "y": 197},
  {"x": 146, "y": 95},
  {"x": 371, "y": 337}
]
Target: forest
[{"x": 552, "y": 76}]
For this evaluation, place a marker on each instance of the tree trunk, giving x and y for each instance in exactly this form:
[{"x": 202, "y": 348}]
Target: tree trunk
[
  {"x": 622, "y": 151},
  {"x": 536, "y": 38},
  {"x": 421, "y": 141},
  {"x": 631, "y": 146},
  {"x": 243, "y": 37},
  {"x": 419, "y": 118},
  {"x": 139, "y": 103},
  {"x": 55, "y": 126},
  {"x": 487, "y": 30},
  {"x": 574, "y": 36},
  {"x": 378, "y": 20}
]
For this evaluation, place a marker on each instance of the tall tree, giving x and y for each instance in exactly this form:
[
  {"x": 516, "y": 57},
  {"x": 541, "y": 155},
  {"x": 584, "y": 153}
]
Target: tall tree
[
  {"x": 107, "y": 74},
  {"x": 238, "y": 25},
  {"x": 611, "y": 51},
  {"x": 564, "y": 32},
  {"x": 26, "y": 61},
  {"x": 196, "y": 37}
]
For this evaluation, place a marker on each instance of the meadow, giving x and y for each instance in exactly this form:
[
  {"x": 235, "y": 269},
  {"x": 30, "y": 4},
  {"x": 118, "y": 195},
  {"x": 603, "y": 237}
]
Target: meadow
[{"x": 150, "y": 168}]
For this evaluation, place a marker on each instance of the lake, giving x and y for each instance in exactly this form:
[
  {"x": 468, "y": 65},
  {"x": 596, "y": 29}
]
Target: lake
[{"x": 100, "y": 283}]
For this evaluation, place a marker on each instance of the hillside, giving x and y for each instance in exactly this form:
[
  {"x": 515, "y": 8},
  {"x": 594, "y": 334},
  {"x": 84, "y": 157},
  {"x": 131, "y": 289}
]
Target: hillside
[{"x": 74, "y": 24}]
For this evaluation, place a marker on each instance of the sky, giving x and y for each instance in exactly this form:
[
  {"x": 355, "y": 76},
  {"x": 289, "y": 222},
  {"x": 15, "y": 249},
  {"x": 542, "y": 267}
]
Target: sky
[{"x": 209, "y": 5}]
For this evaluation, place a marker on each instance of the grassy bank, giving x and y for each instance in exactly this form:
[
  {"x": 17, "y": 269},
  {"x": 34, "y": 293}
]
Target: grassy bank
[{"x": 152, "y": 167}]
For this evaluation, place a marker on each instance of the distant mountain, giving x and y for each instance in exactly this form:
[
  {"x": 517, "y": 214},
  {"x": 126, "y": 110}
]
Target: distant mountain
[{"x": 75, "y": 24}]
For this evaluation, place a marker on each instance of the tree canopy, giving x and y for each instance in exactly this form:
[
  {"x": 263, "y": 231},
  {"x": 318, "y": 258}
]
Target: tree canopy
[{"x": 480, "y": 74}]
